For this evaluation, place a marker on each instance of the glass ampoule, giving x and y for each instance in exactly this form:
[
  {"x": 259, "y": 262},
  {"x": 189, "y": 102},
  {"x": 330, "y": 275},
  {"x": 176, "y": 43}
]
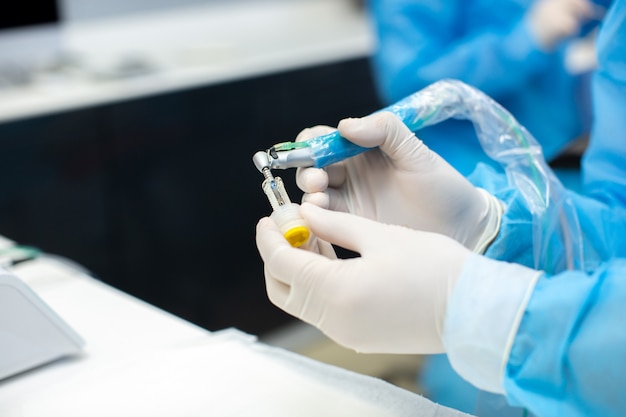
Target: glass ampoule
[{"x": 285, "y": 213}]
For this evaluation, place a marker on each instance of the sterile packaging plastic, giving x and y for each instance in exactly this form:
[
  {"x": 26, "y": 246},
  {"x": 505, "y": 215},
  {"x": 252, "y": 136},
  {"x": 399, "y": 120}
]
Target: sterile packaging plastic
[{"x": 555, "y": 222}]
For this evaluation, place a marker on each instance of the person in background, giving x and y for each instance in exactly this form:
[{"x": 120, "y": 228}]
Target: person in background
[
  {"x": 552, "y": 343},
  {"x": 515, "y": 51}
]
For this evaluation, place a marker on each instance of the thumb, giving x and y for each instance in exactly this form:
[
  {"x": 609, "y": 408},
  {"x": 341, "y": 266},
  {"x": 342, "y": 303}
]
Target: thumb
[
  {"x": 387, "y": 131},
  {"x": 343, "y": 229}
]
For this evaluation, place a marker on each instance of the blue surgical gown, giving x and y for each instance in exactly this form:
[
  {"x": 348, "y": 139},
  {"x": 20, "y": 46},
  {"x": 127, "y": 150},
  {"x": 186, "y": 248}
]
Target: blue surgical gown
[
  {"x": 486, "y": 44},
  {"x": 568, "y": 357}
]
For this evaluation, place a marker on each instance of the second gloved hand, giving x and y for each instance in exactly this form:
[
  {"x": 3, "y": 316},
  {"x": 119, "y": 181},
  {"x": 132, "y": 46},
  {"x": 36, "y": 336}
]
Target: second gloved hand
[
  {"x": 401, "y": 182},
  {"x": 553, "y": 21},
  {"x": 392, "y": 299}
]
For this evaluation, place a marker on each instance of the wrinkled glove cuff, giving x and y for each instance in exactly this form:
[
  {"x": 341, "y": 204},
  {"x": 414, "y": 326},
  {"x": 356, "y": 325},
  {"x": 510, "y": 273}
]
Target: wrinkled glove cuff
[
  {"x": 492, "y": 219},
  {"x": 482, "y": 318}
]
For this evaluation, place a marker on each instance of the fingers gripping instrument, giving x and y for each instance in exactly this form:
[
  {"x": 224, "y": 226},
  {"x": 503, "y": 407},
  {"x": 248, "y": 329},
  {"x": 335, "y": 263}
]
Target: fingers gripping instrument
[{"x": 322, "y": 151}]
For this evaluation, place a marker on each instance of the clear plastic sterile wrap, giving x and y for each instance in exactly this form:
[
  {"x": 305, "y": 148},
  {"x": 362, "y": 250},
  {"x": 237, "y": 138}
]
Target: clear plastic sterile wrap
[{"x": 557, "y": 243}]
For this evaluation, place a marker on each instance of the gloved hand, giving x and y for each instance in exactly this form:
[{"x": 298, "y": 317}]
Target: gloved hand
[
  {"x": 391, "y": 299},
  {"x": 402, "y": 182},
  {"x": 553, "y": 21}
]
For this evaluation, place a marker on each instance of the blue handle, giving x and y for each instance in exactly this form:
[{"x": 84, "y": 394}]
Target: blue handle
[{"x": 331, "y": 148}]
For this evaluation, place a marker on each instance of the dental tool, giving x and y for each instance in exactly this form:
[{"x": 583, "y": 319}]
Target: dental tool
[{"x": 428, "y": 106}]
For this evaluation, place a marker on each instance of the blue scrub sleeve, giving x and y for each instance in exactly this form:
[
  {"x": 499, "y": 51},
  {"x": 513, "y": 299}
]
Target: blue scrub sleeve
[
  {"x": 603, "y": 162},
  {"x": 514, "y": 242},
  {"x": 602, "y": 223},
  {"x": 568, "y": 356},
  {"x": 553, "y": 344}
]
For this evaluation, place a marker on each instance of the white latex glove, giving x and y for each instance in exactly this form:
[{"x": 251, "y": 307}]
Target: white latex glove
[
  {"x": 392, "y": 299},
  {"x": 553, "y": 21},
  {"x": 402, "y": 182}
]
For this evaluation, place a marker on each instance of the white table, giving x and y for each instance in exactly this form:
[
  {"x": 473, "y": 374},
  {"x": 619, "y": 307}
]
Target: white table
[{"x": 141, "y": 361}]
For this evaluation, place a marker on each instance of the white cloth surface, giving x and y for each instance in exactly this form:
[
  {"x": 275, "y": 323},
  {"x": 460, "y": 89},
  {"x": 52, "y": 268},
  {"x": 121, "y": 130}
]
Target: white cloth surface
[{"x": 141, "y": 361}]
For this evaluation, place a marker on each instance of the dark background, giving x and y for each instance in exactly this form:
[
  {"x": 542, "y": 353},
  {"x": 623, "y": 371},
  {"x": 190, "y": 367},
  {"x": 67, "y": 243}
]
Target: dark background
[
  {"x": 28, "y": 12},
  {"x": 159, "y": 196}
]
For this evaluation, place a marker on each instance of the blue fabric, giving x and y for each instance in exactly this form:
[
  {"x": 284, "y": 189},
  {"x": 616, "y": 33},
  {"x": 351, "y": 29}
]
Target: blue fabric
[
  {"x": 515, "y": 238},
  {"x": 568, "y": 358},
  {"x": 443, "y": 385},
  {"x": 486, "y": 44}
]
